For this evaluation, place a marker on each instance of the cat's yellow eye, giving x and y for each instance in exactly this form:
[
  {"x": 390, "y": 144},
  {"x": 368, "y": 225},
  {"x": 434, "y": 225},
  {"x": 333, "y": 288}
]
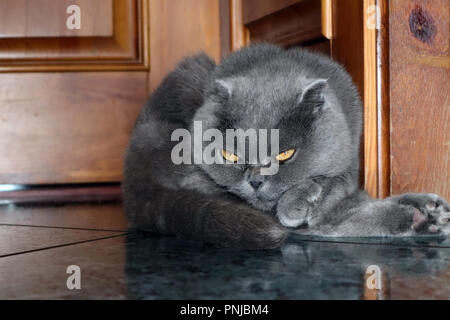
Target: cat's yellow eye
[
  {"x": 229, "y": 156},
  {"x": 285, "y": 155}
]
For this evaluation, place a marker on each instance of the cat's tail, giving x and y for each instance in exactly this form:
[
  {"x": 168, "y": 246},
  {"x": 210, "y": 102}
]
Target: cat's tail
[{"x": 205, "y": 218}]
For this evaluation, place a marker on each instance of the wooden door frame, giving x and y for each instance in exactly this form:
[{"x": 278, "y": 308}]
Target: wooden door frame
[{"x": 377, "y": 165}]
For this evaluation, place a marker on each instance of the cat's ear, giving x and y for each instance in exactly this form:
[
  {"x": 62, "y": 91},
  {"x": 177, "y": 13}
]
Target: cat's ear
[
  {"x": 313, "y": 95},
  {"x": 223, "y": 89}
]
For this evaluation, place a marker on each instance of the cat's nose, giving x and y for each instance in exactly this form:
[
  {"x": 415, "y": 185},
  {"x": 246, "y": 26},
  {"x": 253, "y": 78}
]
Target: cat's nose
[
  {"x": 255, "y": 184},
  {"x": 254, "y": 177}
]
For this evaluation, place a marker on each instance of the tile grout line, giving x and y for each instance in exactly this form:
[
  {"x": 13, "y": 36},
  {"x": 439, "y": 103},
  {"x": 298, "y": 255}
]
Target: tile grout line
[
  {"x": 63, "y": 245},
  {"x": 125, "y": 232},
  {"x": 55, "y": 227}
]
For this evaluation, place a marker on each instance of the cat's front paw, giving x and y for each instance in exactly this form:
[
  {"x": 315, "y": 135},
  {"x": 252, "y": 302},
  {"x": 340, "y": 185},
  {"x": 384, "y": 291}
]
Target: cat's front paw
[
  {"x": 296, "y": 206},
  {"x": 432, "y": 212}
]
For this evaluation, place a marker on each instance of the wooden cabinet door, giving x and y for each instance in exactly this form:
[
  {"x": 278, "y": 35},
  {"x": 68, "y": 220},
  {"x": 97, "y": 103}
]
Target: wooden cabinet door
[{"x": 69, "y": 96}]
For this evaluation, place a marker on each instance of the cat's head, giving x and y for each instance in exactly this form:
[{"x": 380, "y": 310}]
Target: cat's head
[{"x": 314, "y": 138}]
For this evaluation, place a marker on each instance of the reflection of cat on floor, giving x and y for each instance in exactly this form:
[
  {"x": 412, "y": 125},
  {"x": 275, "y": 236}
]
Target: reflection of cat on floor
[
  {"x": 313, "y": 103},
  {"x": 172, "y": 268},
  {"x": 400, "y": 267}
]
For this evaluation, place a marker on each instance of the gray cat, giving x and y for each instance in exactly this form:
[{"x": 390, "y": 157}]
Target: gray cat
[{"x": 315, "y": 106}]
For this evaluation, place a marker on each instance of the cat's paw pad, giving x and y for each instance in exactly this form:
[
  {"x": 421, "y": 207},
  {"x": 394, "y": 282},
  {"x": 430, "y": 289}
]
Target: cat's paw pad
[
  {"x": 422, "y": 225},
  {"x": 434, "y": 209},
  {"x": 431, "y": 213},
  {"x": 438, "y": 211}
]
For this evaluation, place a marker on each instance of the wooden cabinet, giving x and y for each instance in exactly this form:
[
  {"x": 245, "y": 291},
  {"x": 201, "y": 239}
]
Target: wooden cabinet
[{"x": 69, "y": 97}]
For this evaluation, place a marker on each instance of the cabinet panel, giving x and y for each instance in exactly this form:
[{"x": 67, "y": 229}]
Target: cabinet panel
[
  {"x": 285, "y": 23},
  {"x": 256, "y": 9},
  {"x": 67, "y": 127},
  {"x": 34, "y": 35},
  {"x": 180, "y": 28},
  {"x": 48, "y": 18},
  {"x": 67, "y": 124}
]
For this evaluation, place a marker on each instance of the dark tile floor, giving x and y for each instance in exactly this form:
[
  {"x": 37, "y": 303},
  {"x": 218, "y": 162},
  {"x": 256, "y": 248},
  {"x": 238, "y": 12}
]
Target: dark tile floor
[{"x": 37, "y": 244}]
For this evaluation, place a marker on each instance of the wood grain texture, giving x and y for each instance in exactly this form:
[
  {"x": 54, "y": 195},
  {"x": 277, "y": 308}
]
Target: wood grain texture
[
  {"x": 106, "y": 216},
  {"x": 419, "y": 96},
  {"x": 348, "y": 47},
  {"x": 321, "y": 45},
  {"x": 370, "y": 104},
  {"x": 126, "y": 49},
  {"x": 180, "y": 28},
  {"x": 225, "y": 27},
  {"x": 47, "y": 18},
  {"x": 240, "y": 36},
  {"x": 383, "y": 102},
  {"x": 295, "y": 24},
  {"x": 67, "y": 127},
  {"x": 256, "y": 9},
  {"x": 328, "y": 18},
  {"x": 63, "y": 195}
]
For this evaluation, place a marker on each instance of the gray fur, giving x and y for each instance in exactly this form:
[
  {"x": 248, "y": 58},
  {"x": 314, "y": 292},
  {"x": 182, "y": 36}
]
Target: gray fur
[{"x": 315, "y": 106}]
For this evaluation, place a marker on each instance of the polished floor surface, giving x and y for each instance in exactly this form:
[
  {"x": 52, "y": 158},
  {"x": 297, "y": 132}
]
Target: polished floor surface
[{"x": 39, "y": 243}]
